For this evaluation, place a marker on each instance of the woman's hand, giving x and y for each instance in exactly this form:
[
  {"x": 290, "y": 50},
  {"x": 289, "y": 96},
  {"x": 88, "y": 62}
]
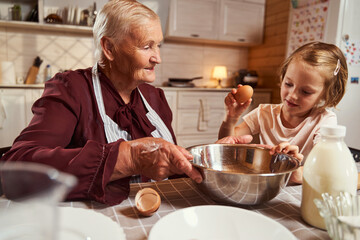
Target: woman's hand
[
  {"x": 292, "y": 150},
  {"x": 154, "y": 158}
]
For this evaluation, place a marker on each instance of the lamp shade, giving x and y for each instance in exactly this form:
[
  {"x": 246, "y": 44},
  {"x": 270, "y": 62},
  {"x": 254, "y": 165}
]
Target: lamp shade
[{"x": 219, "y": 72}]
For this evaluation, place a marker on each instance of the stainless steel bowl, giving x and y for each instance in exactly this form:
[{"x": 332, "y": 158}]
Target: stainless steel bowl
[{"x": 241, "y": 174}]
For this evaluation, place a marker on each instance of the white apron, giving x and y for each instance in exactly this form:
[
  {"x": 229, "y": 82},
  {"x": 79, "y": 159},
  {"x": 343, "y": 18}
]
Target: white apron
[{"x": 113, "y": 131}]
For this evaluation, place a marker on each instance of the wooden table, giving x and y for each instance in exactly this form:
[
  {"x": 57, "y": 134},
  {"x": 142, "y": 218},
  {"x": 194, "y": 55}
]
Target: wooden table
[{"x": 181, "y": 193}]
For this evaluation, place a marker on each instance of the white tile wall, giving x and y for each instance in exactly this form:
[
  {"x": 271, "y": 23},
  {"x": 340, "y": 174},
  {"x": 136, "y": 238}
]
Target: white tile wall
[{"x": 71, "y": 51}]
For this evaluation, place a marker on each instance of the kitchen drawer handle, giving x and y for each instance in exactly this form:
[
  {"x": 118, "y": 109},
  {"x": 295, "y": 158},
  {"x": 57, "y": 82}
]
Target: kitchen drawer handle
[
  {"x": 241, "y": 40},
  {"x": 194, "y": 35}
]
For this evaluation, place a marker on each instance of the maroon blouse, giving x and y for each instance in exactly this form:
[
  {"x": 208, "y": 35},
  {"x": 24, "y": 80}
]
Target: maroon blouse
[{"x": 67, "y": 132}]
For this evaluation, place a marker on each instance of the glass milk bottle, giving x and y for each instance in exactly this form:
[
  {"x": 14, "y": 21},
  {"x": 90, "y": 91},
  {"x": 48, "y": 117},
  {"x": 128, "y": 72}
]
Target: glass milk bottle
[{"x": 329, "y": 168}]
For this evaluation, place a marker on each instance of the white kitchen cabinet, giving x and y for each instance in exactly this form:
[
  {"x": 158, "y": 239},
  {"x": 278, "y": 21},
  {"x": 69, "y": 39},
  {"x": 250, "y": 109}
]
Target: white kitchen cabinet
[
  {"x": 191, "y": 121},
  {"x": 192, "y": 140},
  {"x": 241, "y": 22},
  {"x": 12, "y": 114},
  {"x": 199, "y": 116},
  {"x": 171, "y": 97},
  {"x": 31, "y": 96},
  {"x": 237, "y": 22},
  {"x": 193, "y": 19},
  {"x": 15, "y": 112}
]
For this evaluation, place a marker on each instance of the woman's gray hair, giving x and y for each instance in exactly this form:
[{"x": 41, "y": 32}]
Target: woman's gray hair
[{"x": 115, "y": 21}]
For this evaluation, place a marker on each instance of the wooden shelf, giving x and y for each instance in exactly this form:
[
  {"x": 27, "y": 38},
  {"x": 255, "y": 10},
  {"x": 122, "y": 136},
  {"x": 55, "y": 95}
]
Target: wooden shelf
[{"x": 46, "y": 27}]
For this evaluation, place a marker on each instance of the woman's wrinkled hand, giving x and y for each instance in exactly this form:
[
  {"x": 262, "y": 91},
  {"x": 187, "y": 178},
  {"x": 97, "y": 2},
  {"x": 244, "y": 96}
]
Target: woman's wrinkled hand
[{"x": 155, "y": 158}]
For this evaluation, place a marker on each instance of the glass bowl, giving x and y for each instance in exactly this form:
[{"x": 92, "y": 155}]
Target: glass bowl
[{"x": 341, "y": 215}]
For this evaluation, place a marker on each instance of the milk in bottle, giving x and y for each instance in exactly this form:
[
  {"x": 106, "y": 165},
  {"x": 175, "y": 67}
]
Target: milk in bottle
[{"x": 329, "y": 168}]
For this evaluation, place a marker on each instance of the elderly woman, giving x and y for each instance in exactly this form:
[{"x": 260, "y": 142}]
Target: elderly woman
[{"x": 106, "y": 124}]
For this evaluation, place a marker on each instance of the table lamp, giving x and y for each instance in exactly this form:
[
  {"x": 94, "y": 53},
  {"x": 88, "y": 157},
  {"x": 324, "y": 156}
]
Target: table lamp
[{"x": 219, "y": 73}]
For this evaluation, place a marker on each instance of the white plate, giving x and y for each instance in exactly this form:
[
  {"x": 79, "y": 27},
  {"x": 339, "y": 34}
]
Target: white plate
[
  {"x": 218, "y": 222},
  {"x": 85, "y": 224}
]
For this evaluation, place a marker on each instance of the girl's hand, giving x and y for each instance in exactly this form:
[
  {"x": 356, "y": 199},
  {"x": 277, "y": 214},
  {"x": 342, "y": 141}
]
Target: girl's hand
[
  {"x": 234, "y": 110},
  {"x": 292, "y": 150},
  {"x": 286, "y": 148}
]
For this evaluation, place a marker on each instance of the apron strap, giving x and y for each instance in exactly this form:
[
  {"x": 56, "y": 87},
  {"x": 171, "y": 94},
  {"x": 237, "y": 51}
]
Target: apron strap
[
  {"x": 161, "y": 130},
  {"x": 112, "y": 131}
]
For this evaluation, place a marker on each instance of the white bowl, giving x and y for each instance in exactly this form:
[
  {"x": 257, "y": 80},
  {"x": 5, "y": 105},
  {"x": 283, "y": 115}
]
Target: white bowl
[{"x": 213, "y": 222}]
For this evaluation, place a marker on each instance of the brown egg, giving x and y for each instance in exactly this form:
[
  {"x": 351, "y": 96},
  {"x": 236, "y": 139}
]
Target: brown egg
[
  {"x": 147, "y": 201},
  {"x": 243, "y": 94}
]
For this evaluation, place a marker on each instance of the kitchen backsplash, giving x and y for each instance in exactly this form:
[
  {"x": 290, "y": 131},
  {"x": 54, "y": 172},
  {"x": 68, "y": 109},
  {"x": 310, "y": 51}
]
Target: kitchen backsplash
[{"x": 65, "y": 51}]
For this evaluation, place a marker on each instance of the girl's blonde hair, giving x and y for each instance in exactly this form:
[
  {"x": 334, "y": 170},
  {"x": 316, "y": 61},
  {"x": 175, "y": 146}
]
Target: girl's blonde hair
[
  {"x": 325, "y": 58},
  {"x": 115, "y": 21}
]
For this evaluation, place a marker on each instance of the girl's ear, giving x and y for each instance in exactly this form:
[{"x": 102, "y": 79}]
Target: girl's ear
[{"x": 108, "y": 48}]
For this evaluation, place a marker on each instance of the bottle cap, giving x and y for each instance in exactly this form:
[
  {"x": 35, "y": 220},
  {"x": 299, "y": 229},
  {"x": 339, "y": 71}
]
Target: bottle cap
[{"x": 333, "y": 130}]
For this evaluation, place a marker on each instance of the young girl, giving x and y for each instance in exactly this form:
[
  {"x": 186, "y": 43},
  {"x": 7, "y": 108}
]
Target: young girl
[{"x": 313, "y": 79}]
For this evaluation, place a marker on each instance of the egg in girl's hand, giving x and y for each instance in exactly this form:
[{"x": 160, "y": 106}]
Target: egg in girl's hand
[
  {"x": 147, "y": 201},
  {"x": 243, "y": 94}
]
